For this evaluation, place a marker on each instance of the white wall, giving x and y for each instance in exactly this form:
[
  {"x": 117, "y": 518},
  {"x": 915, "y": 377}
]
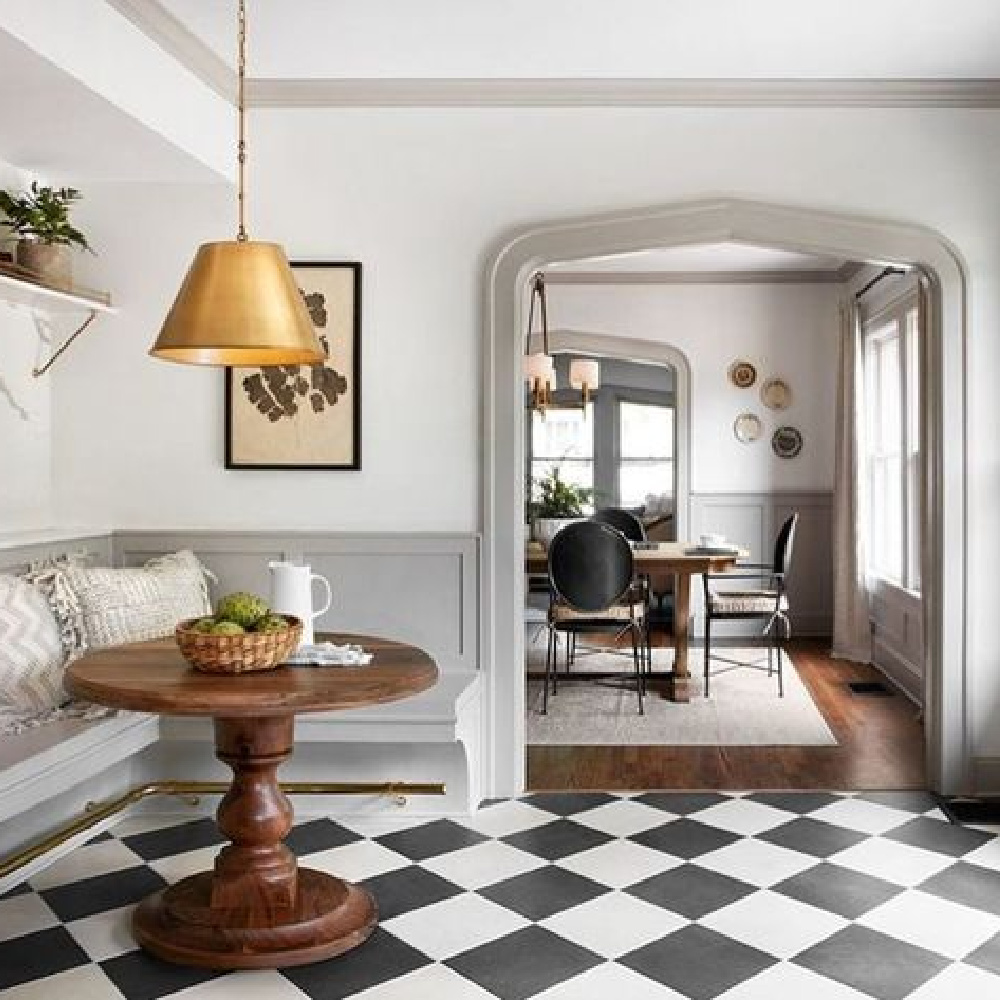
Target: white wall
[
  {"x": 25, "y": 423},
  {"x": 422, "y": 197},
  {"x": 783, "y": 329}
]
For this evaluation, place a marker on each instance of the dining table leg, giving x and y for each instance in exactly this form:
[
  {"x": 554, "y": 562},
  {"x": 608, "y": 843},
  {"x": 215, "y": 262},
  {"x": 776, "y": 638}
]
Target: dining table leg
[
  {"x": 257, "y": 908},
  {"x": 680, "y": 680}
]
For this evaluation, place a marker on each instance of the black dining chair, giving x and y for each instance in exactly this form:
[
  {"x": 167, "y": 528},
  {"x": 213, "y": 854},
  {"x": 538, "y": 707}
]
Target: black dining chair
[
  {"x": 594, "y": 589},
  {"x": 661, "y": 588},
  {"x": 768, "y": 603},
  {"x": 624, "y": 520}
]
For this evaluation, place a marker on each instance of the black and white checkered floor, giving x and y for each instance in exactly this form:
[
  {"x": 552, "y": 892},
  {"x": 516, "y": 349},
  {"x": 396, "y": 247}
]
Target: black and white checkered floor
[{"x": 764, "y": 896}]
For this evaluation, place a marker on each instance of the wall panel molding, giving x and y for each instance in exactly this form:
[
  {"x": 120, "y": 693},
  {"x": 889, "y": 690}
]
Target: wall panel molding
[
  {"x": 752, "y": 519},
  {"x": 418, "y": 587}
]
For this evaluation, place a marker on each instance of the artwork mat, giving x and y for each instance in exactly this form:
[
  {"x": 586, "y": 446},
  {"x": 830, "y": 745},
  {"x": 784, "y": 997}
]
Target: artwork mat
[{"x": 254, "y": 442}]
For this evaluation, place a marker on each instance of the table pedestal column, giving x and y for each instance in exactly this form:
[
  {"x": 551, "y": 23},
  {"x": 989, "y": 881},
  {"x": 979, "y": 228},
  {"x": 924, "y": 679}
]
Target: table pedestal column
[{"x": 258, "y": 909}]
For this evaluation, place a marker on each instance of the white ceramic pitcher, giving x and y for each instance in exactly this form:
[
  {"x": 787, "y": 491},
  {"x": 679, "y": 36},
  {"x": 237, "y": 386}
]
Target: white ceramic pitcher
[{"x": 292, "y": 594}]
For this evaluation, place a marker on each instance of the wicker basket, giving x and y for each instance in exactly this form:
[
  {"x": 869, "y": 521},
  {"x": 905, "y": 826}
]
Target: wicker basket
[{"x": 237, "y": 654}]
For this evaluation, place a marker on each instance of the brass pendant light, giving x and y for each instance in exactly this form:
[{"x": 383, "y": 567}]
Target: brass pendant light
[
  {"x": 539, "y": 369},
  {"x": 239, "y": 303}
]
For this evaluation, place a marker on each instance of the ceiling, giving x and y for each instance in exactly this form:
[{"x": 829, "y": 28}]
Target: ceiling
[
  {"x": 729, "y": 258},
  {"x": 106, "y": 143},
  {"x": 661, "y": 39}
]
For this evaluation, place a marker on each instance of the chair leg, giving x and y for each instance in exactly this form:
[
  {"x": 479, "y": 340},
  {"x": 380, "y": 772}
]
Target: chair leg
[
  {"x": 708, "y": 650},
  {"x": 649, "y": 656},
  {"x": 636, "y": 638},
  {"x": 777, "y": 652},
  {"x": 548, "y": 670}
]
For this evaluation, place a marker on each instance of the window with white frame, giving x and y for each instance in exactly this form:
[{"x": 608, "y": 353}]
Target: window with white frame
[
  {"x": 892, "y": 402},
  {"x": 563, "y": 438},
  {"x": 645, "y": 451}
]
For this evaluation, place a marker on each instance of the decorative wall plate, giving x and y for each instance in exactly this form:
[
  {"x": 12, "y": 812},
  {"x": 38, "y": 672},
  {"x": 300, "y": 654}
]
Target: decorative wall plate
[
  {"x": 786, "y": 442},
  {"x": 747, "y": 427},
  {"x": 776, "y": 394},
  {"x": 742, "y": 374}
]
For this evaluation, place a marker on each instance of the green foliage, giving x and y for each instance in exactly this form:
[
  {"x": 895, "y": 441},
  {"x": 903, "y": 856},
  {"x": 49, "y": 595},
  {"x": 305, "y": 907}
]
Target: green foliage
[
  {"x": 557, "y": 498},
  {"x": 242, "y": 608},
  {"x": 42, "y": 214}
]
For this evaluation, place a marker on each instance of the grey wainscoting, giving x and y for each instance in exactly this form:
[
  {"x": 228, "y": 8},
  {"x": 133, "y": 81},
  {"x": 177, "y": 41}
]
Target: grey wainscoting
[
  {"x": 898, "y": 637},
  {"x": 753, "y": 520},
  {"x": 17, "y": 554},
  {"x": 419, "y": 588}
]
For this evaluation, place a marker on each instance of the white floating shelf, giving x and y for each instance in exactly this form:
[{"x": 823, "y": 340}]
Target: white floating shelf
[
  {"x": 40, "y": 298},
  {"x": 22, "y": 292}
]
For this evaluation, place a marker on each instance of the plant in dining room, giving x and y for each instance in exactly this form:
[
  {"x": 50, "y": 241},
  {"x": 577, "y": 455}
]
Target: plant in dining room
[
  {"x": 558, "y": 503},
  {"x": 39, "y": 219}
]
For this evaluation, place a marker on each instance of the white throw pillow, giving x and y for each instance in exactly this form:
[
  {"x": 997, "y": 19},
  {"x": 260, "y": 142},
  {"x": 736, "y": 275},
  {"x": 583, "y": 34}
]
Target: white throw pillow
[
  {"x": 130, "y": 605},
  {"x": 31, "y": 654}
]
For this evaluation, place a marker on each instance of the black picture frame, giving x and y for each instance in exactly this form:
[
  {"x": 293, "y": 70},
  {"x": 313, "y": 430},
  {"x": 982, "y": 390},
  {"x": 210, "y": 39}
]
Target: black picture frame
[{"x": 252, "y": 411}]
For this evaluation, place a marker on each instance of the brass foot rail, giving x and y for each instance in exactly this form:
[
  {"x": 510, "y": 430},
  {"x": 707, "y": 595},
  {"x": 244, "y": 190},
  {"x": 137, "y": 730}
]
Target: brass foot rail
[{"x": 97, "y": 812}]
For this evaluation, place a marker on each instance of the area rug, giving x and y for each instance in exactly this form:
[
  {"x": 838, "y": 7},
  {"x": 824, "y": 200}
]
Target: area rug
[{"x": 743, "y": 710}]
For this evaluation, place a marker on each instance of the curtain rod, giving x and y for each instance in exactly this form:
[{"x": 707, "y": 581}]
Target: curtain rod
[{"x": 879, "y": 277}]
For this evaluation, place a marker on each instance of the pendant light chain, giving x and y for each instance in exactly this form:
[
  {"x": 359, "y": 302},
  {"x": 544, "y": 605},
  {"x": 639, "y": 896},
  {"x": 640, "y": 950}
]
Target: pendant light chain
[{"x": 241, "y": 145}]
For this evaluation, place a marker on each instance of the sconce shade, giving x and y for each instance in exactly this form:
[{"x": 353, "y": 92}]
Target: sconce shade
[
  {"x": 540, "y": 368},
  {"x": 584, "y": 373},
  {"x": 239, "y": 305}
]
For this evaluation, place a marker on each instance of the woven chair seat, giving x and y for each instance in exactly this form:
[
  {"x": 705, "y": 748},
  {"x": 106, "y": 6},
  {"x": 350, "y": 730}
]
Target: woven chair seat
[
  {"x": 746, "y": 602},
  {"x": 616, "y": 612}
]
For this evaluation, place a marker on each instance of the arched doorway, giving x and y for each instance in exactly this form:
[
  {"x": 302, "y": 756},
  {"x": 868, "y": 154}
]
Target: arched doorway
[{"x": 715, "y": 221}]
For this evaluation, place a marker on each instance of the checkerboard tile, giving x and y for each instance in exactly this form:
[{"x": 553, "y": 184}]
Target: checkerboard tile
[{"x": 567, "y": 896}]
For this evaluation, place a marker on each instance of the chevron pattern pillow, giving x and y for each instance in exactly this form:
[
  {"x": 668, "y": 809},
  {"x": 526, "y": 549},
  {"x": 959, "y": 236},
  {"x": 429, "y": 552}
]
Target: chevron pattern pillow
[{"x": 31, "y": 654}]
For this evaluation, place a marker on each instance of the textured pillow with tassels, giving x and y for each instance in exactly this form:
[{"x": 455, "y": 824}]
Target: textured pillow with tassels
[
  {"x": 133, "y": 604},
  {"x": 31, "y": 654}
]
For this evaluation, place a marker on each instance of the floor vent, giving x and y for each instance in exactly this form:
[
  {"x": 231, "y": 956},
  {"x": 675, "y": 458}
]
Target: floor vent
[
  {"x": 972, "y": 810},
  {"x": 876, "y": 688}
]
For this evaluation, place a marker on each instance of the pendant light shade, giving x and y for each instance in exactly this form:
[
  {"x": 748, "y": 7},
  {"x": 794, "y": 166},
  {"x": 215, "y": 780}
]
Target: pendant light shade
[{"x": 239, "y": 305}]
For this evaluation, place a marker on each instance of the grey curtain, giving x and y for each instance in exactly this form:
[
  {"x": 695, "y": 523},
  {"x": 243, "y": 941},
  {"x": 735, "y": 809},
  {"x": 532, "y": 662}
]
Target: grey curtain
[{"x": 851, "y": 625}]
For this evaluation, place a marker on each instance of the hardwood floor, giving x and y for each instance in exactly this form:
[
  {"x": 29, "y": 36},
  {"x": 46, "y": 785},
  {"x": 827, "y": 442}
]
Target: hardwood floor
[{"x": 880, "y": 746}]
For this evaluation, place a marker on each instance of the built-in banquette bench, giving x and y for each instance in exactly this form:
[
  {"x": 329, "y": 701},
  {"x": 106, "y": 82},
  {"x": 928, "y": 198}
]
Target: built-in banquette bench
[{"x": 421, "y": 589}]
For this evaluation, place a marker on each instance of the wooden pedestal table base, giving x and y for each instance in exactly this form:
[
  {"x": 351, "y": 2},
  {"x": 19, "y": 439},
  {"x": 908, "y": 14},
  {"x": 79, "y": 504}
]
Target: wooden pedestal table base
[{"x": 258, "y": 909}]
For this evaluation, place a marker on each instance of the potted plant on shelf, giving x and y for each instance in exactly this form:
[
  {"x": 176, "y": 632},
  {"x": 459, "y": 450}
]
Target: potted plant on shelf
[
  {"x": 557, "y": 505},
  {"x": 39, "y": 218}
]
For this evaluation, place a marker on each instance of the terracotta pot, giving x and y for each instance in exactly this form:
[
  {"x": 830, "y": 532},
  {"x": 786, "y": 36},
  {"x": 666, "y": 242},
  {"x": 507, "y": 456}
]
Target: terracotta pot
[{"x": 51, "y": 262}]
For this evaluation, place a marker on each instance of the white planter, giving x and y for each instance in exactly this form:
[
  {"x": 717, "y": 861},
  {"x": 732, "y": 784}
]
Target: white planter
[{"x": 546, "y": 528}]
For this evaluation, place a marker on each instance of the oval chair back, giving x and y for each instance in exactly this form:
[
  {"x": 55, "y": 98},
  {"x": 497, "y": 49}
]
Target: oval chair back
[
  {"x": 624, "y": 520},
  {"x": 784, "y": 544},
  {"x": 590, "y": 565}
]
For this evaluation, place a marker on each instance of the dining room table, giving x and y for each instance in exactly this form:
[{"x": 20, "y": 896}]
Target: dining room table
[{"x": 682, "y": 560}]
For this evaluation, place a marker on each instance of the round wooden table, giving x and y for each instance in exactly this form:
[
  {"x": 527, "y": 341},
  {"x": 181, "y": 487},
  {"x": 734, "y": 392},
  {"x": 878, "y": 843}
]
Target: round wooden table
[{"x": 257, "y": 909}]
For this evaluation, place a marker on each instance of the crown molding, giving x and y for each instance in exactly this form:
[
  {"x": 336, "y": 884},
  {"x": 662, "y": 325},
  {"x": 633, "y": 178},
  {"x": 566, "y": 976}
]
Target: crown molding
[
  {"x": 758, "y": 277},
  {"x": 178, "y": 41},
  {"x": 159, "y": 25},
  {"x": 570, "y": 93}
]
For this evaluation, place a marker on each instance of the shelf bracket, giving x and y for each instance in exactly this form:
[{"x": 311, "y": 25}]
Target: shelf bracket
[{"x": 41, "y": 326}]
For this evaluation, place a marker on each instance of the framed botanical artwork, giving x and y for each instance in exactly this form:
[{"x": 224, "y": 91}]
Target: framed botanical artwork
[{"x": 305, "y": 416}]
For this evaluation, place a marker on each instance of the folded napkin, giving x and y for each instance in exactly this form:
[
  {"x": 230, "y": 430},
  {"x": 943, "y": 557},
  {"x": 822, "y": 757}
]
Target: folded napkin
[{"x": 329, "y": 654}]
